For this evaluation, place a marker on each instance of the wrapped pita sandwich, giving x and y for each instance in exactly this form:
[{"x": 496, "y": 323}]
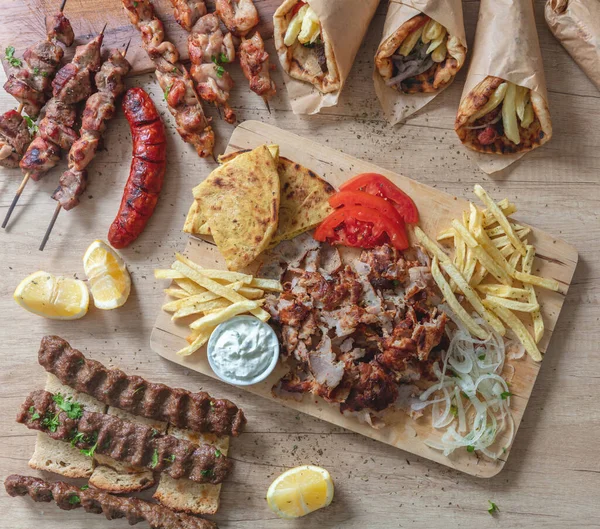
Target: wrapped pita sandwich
[
  {"x": 576, "y": 25},
  {"x": 422, "y": 49},
  {"x": 317, "y": 42},
  {"x": 504, "y": 105}
]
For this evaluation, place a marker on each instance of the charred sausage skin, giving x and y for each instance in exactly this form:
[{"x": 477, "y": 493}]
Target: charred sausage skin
[{"x": 147, "y": 172}]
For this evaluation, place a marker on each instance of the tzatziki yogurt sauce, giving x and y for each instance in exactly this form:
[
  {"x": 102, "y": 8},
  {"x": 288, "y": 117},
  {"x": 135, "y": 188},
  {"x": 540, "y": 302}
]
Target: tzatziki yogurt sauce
[{"x": 243, "y": 350}]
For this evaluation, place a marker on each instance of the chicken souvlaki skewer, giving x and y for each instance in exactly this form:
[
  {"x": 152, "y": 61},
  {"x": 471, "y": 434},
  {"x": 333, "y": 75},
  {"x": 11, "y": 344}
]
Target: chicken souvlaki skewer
[
  {"x": 71, "y": 85},
  {"x": 30, "y": 84},
  {"x": 241, "y": 18},
  {"x": 187, "y": 12},
  {"x": 175, "y": 81},
  {"x": 99, "y": 109},
  {"x": 209, "y": 50}
]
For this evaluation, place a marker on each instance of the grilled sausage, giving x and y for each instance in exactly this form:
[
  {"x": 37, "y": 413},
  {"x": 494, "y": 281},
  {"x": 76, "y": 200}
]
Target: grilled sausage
[{"x": 147, "y": 171}]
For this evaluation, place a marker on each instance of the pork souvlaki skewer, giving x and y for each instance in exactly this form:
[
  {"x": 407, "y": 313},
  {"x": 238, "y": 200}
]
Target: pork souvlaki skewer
[
  {"x": 30, "y": 84},
  {"x": 99, "y": 109},
  {"x": 209, "y": 51},
  {"x": 71, "y": 85},
  {"x": 175, "y": 81}
]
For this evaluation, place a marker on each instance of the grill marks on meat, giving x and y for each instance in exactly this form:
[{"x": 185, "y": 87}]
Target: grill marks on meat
[
  {"x": 187, "y": 12},
  {"x": 174, "y": 79},
  {"x": 99, "y": 109},
  {"x": 239, "y": 16},
  {"x": 208, "y": 46},
  {"x": 69, "y": 497},
  {"x": 254, "y": 61},
  {"x": 352, "y": 335},
  {"x": 14, "y": 138},
  {"x": 179, "y": 407},
  {"x": 133, "y": 443},
  {"x": 71, "y": 85},
  {"x": 30, "y": 84}
]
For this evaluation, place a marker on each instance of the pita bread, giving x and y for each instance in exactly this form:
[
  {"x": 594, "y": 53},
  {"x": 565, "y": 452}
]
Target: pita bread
[
  {"x": 437, "y": 77},
  {"x": 240, "y": 201},
  {"x": 301, "y": 62},
  {"x": 538, "y": 133}
]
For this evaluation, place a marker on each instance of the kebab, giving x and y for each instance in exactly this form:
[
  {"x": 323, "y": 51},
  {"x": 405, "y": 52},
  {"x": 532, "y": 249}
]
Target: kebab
[
  {"x": 30, "y": 84},
  {"x": 209, "y": 49},
  {"x": 187, "y": 12},
  {"x": 99, "y": 109},
  {"x": 175, "y": 81},
  {"x": 241, "y": 17},
  {"x": 71, "y": 85}
]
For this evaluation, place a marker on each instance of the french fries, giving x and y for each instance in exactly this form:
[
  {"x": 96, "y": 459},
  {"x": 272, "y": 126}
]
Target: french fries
[
  {"x": 488, "y": 244},
  {"x": 213, "y": 296}
]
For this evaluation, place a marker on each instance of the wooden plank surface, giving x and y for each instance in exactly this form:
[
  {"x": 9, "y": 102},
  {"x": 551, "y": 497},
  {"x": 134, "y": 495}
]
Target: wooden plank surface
[
  {"x": 437, "y": 209},
  {"x": 552, "y": 479},
  {"x": 22, "y": 23}
]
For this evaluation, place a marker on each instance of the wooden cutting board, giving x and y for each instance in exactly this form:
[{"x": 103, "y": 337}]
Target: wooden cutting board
[
  {"x": 22, "y": 24},
  {"x": 556, "y": 259}
]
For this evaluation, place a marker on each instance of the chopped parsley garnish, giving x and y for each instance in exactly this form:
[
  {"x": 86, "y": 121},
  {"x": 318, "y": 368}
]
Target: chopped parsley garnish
[
  {"x": 222, "y": 59},
  {"x": 154, "y": 459},
  {"x": 220, "y": 71},
  {"x": 454, "y": 410},
  {"x": 84, "y": 487},
  {"x": 208, "y": 473},
  {"x": 154, "y": 432},
  {"x": 505, "y": 394},
  {"x": 481, "y": 357},
  {"x": 167, "y": 91},
  {"x": 33, "y": 128},
  {"x": 9, "y": 55},
  {"x": 77, "y": 437},
  {"x": 470, "y": 448},
  {"x": 170, "y": 458},
  {"x": 90, "y": 451},
  {"x": 34, "y": 414},
  {"x": 218, "y": 453},
  {"x": 493, "y": 507},
  {"x": 74, "y": 410},
  {"x": 139, "y": 389},
  {"x": 51, "y": 422},
  {"x": 464, "y": 395},
  {"x": 74, "y": 499},
  {"x": 135, "y": 4},
  {"x": 212, "y": 405}
]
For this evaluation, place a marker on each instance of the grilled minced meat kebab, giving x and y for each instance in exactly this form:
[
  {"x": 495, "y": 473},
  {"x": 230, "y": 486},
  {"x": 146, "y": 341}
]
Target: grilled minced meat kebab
[
  {"x": 99, "y": 109},
  {"x": 179, "y": 407},
  {"x": 136, "y": 444},
  {"x": 30, "y": 84},
  {"x": 14, "y": 138},
  {"x": 209, "y": 51},
  {"x": 175, "y": 81},
  {"x": 71, "y": 85},
  {"x": 69, "y": 497}
]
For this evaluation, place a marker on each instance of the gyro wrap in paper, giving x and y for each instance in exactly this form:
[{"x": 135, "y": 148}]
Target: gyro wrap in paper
[
  {"x": 345, "y": 23},
  {"x": 507, "y": 46},
  {"x": 576, "y": 25},
  {"x": 397, "y": 105}
]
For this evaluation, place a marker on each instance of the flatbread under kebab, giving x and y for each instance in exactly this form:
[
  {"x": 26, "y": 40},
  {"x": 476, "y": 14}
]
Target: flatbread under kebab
[
  {"x": 486, "y": 133},
  {"x": 240, "y": 201},
  {"x": 313, "y": 62},
  {"x": 428, "y": 65}
]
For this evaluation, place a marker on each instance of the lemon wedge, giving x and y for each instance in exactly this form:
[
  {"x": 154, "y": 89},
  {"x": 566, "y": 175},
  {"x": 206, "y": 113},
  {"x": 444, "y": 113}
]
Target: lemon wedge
[
  {"x": 300, "y": 491},
  {"x": 109, "y": 279},
  {"x": 57, "y": 298}
]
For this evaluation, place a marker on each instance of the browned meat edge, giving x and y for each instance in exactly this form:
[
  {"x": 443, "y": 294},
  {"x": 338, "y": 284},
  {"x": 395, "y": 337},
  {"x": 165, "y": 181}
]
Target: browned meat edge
[
  {"x": 179, "y": 407},
  {"x": 69, "y": 497},
  {"x": 133, "y": 443}
]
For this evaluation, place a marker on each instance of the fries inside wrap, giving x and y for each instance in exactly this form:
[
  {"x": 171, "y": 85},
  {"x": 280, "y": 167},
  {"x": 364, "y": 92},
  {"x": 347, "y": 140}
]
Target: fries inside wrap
[
  {"x": 504, "y": 107},
  {"x": 420, "y": 56},
  {"x": 317, "y": 42}
]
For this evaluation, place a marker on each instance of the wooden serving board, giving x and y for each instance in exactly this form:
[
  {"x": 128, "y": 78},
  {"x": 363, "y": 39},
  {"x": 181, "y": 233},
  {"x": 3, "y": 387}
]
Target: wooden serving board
[
  {"x": 22, "y": 24},
  {"x": 556, "y": 259}
]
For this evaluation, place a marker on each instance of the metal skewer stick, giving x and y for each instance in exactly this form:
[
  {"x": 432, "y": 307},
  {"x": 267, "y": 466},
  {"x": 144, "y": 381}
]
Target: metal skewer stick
[{"x": 267, "y": 103}]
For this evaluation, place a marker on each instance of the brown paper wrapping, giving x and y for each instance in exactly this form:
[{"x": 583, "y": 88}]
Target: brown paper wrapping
[
  {"x": 397, "y": 105},
  {"x": 346, "y": 23},
  {"x": 576, "y": 25},
  {"x": 506, "y": 46}
]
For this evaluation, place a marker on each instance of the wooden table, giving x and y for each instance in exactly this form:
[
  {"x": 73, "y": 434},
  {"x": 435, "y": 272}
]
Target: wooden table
[{"x": 552, "y": 478}]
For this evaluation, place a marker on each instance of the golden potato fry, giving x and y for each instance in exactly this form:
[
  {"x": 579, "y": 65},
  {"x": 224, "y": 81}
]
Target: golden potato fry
[
  {"x": 198, "y": 342},
  {"x": 549, "y": 284},
  {"x": 178, "y": 293},
  {"x": 212, "y": 320},
  {"x": 512, "y": 304},
  {"x": 450, "y": 298},
  {"x": 251, "y": 292},
  {"x": 514, "y": 259},
  {"x": 168, "y": 274},
  {"x": 189, "y": 301},
  {"x": 487, "y": 244},
  {"x": 189, "y": 286},
  {"x": 272, "y": 285},
  {"x": 410, "y": 42},
  {"x": 198, "y": 308},
  {"x": 503, "y": 291},
  {"x": 446, "y": 234},
  {"x": 538, "y": 321},
  {"x": 518, "y": 328}
]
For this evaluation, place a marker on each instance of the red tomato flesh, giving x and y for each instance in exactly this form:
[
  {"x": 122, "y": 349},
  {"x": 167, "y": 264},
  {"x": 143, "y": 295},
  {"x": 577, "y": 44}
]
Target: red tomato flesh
[
  {"x": 297, "y": 8},
  {"x": 378, "y": 185},
  {"x": 361, "y": 227},
  {"x": 360, "y": 198}
]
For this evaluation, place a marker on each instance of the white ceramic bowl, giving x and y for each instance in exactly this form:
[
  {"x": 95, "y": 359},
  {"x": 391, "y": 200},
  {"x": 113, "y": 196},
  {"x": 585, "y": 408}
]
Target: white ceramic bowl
[{"x": 259, "y": 378}]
